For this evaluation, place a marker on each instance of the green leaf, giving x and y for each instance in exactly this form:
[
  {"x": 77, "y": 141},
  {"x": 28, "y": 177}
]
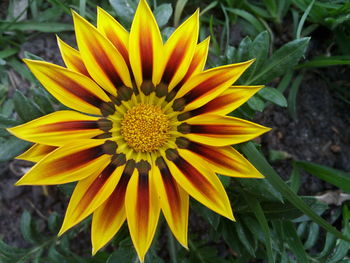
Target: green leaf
[
  {"x": 163, "y": 13},
  {"x": 47, "y": 27},
  {"x": 333, "y": 176},
  {"x": 259, "y": 161},
  {"x": 281, "y": 61},
  {"x": 180, "y": 5},
  {"x": 259, "y": 50},
  {"x": 8, "y": 52},
  {"x": 325, "y": 62},
  {"x": 43, "y": 101},
  {"x": 244, "y": 239},
  {"x": 255, "y": 103},
  {"x": 125, "y": 9},
  {"x": 259, "y": 214},
  {"x": 212, "y": 217},
  {"x": 6, "y": 122},
  {"x": 10, "y": 147},
  {"x": 292, "y": 96},
  {"x": 294, "y": 242},
  {"x": 25, "y": 108},
  {"x": 32, "y": 56},
  {"x": 312, "y": 238},
  {"x": 273, "y": 95},
  {"x": 54, "y": 222},
  {"x": 303, "y": 18},
  {"x": 122, "y": 254},
  {"x": 248, "y": 17},
  {"x": 261, "y": 188},
  {"x": 329, "y": 245},
  {"x": 28, "y": 228}
]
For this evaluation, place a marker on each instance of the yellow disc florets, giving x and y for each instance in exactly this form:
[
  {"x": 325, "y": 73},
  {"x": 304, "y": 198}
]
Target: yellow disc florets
[{"x": 145, "y": 127}]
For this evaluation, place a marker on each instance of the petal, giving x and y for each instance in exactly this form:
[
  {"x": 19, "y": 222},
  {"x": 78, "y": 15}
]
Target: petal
[
  {"x": 59, "y": 127},
  {"x": 71, "y": 88},
  {"x": 114, "y": 31},
  {"x": 173, "y": 201},
  {"x": 223, "y": 160},
  {"x": 103, "y": 61},
  {"x": 207, "y": 85},
  {"x": 146, "y": 45},
  {"x": 36, "y": 152},
  {"x": 199, "y": 59},
  {"x": 227, "y": 102},
  {"x": 89, "y": 194},
  {"x": 72, "y": 58},
  {"x": 68, "y": 163},
  {"x": 199, "y": 181},
  {"x": 110, "y": 216},
  {"x": 179, "y": 50},
  {"x": 142, "y": 209},
  {"x": 219, "y": 130}
]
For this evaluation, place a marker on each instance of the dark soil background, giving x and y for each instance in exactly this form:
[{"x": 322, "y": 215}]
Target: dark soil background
[{"x": 321, "y": 134}]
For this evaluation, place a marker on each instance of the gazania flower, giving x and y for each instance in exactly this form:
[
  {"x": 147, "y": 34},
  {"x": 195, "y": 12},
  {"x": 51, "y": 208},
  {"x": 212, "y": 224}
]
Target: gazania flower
[{"x": 146, "y": 130}]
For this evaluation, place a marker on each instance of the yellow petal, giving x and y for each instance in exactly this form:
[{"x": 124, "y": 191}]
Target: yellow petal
[
  {"x": 199, "y": 181},
  {"x": 142, "y": 209},
  {"x": 58, "y": 128},
  {"x": 225, "y": 103},
  {"x": 68, "y": 163},
  {"x": 219, "y": 130},
  {"x": 110, "y": 216},
  {"x": 114, "y": 31},
  {"x": 223, "y": 160},
  {"x": 173, "y": 200},
  {"x": 89, "y": 194},
  {"x": 146, "y": 46},
  {"x": 73, "y": 89},
  {"x": 179, "y": 50},
  {"x": 199, "y": 59},
  {"x": 207, "y": 85},
  {"x": 72, "y": 58},
  {"x": 103, "y": 61},
  {"x": 36, "y": 152}
]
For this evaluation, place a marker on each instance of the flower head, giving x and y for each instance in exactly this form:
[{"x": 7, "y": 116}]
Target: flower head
[{"x": 146, "y": 130}]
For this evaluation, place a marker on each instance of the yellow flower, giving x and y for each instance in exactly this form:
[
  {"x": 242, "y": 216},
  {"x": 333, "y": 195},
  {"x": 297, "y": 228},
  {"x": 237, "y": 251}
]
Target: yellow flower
[{"x": 152, "y": 130}]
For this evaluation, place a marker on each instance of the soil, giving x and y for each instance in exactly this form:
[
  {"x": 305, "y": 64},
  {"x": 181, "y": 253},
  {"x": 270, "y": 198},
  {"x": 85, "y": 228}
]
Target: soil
[{"x": 321, "y": 134}]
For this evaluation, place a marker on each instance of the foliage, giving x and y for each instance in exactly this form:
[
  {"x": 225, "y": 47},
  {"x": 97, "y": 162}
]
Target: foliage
[{"x": 274, "y": 223}]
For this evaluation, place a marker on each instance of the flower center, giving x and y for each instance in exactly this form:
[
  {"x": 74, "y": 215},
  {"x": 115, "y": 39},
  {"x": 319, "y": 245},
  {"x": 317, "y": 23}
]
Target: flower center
[{"x": 145, "y": 127}]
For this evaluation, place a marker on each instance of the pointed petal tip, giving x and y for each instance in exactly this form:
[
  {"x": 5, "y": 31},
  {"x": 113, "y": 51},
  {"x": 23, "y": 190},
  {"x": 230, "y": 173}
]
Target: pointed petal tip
[
  {"x": 94, "y": 251},
  {"x": 18, "y": 183}
]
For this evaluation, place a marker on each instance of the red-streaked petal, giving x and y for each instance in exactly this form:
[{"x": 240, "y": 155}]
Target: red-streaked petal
[
  {"x": 198, "y": 180},
  {"x": 68, "y": 163},
  {"x": 223, "y": 160},
  {"x": 36, "y": 152},
  {"x": 219, "y": 130},
  {"x": 225, "y": 103},
  {"x": 146, "y": 46},
  {"x": 72, "y": 58},
  {"x": 173, "y": 200},
  {"x": 71, "y": 88},
  {"x": 114, "y": 31},
  {"x": 110, "y": 216},
  {"x": 179, "y": 50},
  {"x": 103, "y": 61},
  {"x": 207, "y": 85},
  {"x": 58, "y": 128},
  {"x": 199, "y": 59},
  {"x": 89, "y": 194},
  {"x": 142, "y": 209}
]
